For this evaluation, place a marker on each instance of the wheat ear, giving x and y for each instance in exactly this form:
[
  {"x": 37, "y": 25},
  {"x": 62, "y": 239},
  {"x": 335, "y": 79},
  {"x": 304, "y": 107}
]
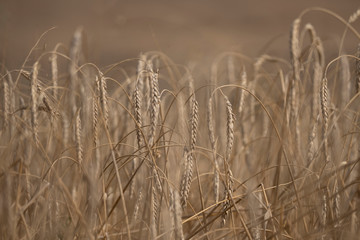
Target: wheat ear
[
  {"x": 229, "y": 145},
  {"x": 325, "y": 113},
  {"x": 228, "y": 193},
  {"x": 188, "y": 171},
  {"x": 242, "y": 94},
  {"x": 137, "y": 97},
  {"x": 186, "y": 178},
  {"x": 354, "y": 16},
  {"x": 231, "y": 69},
  {"x": 295, "y": 48},
  {"x": 229, "y": 128},
  {"x": 155, "y": 105},
  {"x": 154, "y": 213},
  {"x": 74, "y": 55},
  {"x": 357, "y": 70},
  {"x": 54, "y": 73},
  {"x": 210, "y": 125},
  {"x": 194, "y": 120},
  {"x": 345, "y": 78},
  {"x": 140, "y": 72},
  {"x": 175, "y": 211},
  {"x": 34, "y": 101},
  {"x": 6, "y": 103},
  {"x": 294, "y": 56},
  {"x": 79, "y": 145},
  {"x": 104, "y": 99}
]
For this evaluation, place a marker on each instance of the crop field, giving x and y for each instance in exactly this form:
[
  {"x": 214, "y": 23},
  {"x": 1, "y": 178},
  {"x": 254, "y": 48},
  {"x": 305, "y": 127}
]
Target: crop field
[{"x": 254, "y": 144}]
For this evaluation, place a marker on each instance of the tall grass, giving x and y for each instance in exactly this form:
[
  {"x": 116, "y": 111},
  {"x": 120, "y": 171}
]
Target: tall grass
[{"x": 143, "y": 149}]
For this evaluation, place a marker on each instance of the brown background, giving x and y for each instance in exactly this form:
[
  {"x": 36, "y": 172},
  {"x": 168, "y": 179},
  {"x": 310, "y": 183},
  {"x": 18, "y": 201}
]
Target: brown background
[{"x": 184, "y": 30}]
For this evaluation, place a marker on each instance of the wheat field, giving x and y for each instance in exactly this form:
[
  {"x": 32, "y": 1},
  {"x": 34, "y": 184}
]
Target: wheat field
[{"x": 145, "y": 148}]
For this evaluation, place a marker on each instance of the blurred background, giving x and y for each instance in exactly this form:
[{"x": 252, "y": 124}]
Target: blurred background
[{"x": 186, "y": 31}]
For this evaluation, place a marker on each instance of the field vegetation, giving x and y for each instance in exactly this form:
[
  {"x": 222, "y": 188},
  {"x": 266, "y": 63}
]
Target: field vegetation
[{"x": 264, "y": 148}]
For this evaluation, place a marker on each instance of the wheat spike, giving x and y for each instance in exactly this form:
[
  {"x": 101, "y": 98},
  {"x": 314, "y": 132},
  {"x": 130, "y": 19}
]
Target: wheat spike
[
  {"x": 79, "y": 145},
  {"x": 337, "y": 202},
  {"x": 140, "y": 72},
  {"x": 312, "y": 138},
  {"x": 75, "y": 50},
  {"x": 137, "y": 96},
  {"x": 357, "y": 70},
  {"x": 324, "y": 209},
  {"x": 155, "y": 105},
  {"x": 95, "y": 122},
  {"x": 295, "y": 48},
  {"x": 345, "y": 78},
  {"x": 104, "y": 99},
  {"x": 175, "y": 210},
  {"x": 295, "y": 61},
  {"x": 34, "y": 101},
  {"x": 216, "y": 181},
  {"x": 6, "y": 104},
  {"x": 229, "y": 128},
  {"x": 354, "y": 16},
  {"x": 228, "y": 193},
  {"x": 210, "y": 124},
  {"x": 194, "y": 119},
  {"x": 154, "y": 213},
  {"x": 138, "y": 205},
  {"x": 186, "y": 178},
  {"x": 54, "y": 73},
  {"x": 231, "y": 69},
  {"x": 242, "y": 94},
  {"x": 325, "y": 113}
]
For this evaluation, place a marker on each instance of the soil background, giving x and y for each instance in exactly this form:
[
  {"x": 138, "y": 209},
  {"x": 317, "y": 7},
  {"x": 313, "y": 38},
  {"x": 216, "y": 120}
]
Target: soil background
[{"x": 186, "y": 31}]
